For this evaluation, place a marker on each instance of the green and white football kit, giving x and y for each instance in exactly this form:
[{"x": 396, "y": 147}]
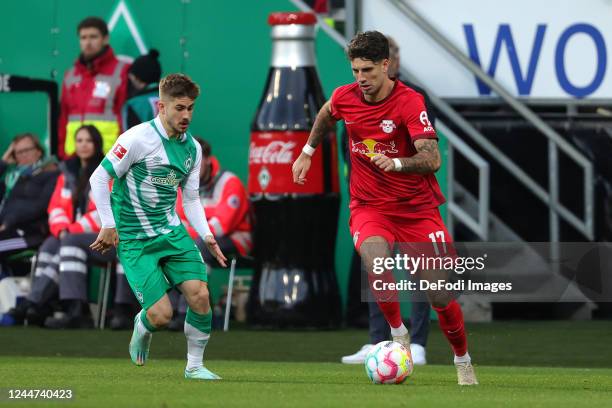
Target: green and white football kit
[{"x": 154, "y": 248}]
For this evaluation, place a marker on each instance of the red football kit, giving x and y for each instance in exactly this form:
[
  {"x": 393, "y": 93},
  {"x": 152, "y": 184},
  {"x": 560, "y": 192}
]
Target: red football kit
[{"x": 400, "y": 207}]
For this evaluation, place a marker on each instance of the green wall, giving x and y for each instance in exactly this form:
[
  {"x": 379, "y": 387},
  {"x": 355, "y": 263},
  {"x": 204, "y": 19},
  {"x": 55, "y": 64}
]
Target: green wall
[{"x": 226, "y": 50}]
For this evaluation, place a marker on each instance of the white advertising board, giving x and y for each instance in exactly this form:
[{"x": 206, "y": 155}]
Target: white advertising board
[{"x": 534, "y": 48}]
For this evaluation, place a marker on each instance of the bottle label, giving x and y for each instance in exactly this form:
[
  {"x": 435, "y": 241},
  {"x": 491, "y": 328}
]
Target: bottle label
[{"x": 271, "y": 156}]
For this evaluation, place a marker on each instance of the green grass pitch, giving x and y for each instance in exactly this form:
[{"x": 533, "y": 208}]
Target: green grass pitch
[{"x": 540, "y": 364}]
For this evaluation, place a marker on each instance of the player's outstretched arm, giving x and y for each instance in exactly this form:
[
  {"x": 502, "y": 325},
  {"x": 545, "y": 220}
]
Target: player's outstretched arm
[
  {"x": 107, "y": 237},
  {"x": 324, "y": 123},
  {"x": 425, "y": 161},
  {"x": 197, "y": 218}
]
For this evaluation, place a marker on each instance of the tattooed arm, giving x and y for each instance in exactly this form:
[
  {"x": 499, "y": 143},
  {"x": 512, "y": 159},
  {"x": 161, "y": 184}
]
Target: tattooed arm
[
  {"x": 425, "y": 161},
  {"x": 324, "y": 123}
]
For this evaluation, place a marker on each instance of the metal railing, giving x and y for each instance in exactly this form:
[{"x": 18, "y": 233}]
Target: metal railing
[
  {"x": 479, "y": 225},
  {"x": 585, "y": 224}
]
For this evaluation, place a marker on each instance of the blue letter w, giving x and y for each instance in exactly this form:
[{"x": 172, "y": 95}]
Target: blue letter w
[{"x": 504, "y": 35}]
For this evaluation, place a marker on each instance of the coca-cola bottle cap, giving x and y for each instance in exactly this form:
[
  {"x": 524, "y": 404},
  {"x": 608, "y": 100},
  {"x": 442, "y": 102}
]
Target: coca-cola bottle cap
[{"x": 285, "y": 18}]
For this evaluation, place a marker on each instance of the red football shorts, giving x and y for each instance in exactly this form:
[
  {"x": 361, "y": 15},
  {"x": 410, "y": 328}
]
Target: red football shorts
[{"x": 423, "y": 231}]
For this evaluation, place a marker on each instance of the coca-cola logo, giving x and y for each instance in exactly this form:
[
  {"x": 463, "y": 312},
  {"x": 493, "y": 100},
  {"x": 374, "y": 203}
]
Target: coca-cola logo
[{"x": 276, "y": 152}]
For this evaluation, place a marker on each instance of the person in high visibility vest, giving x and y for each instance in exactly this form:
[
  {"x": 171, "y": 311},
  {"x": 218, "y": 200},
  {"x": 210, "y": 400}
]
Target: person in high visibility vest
[{"x": 94, "y": 89}]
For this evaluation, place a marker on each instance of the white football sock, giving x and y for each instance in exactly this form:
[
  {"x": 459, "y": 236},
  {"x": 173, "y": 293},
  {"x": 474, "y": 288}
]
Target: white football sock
[
  {"x": 399, "y": 331},
  {"x": 463, "y": 359},
  {"x": 196, "y": 343},
  {"x": 140, "y": 325}
]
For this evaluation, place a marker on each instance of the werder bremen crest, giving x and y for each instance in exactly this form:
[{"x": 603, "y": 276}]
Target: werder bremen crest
[{"x": 187, "y": 163}]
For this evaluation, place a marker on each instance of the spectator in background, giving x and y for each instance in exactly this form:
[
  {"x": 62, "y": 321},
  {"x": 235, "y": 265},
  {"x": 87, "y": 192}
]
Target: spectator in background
[
  {"x": 226, "y": 204},
  {"x": 70, "y": 211},
  {"x": 419, "y": 317},
  {"x": 27, "y": 183},
  {"x": 143, "y": 92},
  {"x": 74, "y": 223},
  {"x": 94, "y": 89}
]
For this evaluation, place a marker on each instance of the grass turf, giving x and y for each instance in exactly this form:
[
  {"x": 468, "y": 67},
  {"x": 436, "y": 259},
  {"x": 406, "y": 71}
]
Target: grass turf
[
  {"x": 116, "y": 383},
  {"x": 552, "y": 365}
]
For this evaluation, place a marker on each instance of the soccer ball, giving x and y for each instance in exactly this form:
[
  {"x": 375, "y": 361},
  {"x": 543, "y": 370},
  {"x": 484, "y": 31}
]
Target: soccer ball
[{"x": 388, "y": 362}]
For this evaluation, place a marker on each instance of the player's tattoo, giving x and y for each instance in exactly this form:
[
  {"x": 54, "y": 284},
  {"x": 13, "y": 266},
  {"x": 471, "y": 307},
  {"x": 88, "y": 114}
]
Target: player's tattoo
[
  {"x": 427, "y": 160},
  {"x": 324, "y": 123}
]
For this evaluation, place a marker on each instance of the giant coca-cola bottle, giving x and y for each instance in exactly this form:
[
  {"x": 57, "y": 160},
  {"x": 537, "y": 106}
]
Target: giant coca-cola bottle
[{"x": 295, "y": 226}]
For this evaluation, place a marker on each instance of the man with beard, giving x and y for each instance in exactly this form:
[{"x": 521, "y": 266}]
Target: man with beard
[{"x": 93, "y": 90}]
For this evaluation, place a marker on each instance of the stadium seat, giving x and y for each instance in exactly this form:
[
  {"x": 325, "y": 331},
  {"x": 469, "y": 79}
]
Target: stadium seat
[{"x": 27, "y": 255}]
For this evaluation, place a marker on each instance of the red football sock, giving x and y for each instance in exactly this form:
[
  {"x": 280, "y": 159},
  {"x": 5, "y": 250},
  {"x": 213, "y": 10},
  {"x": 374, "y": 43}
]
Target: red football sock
[
  {"x": 392, "y": 313},
  {"x": 450, "y": 319},
  {"x": 387, "y": 299}
]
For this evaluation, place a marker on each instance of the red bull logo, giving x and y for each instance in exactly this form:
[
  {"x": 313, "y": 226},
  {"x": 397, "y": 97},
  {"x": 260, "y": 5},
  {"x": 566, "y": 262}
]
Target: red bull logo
[{"x": 371, "y": 147}]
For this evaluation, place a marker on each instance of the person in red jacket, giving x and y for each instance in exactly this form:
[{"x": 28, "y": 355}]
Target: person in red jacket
[
  {"x": 227, "y": 207},
  {"x": 62, "y": 260},
  {"x": 94, "y": 89}
]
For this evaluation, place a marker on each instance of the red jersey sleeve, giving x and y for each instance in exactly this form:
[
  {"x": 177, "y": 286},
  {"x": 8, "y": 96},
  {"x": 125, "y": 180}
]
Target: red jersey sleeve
[
  {"x": 415, "y": 117},
  {"x": 334, "y": 104}
]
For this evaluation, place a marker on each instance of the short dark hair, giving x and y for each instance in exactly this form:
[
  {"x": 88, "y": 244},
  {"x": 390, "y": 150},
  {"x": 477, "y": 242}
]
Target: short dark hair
[
  {"x": 93, "y": 22},
  {"x": 178, "y": 86},
  {"x": 369, "y": 45},
  {"x": 33, "y": 138},
  {"x": 206, "y": 149}
]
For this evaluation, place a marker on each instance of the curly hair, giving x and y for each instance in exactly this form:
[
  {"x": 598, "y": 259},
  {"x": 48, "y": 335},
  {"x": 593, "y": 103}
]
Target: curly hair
[{"x": 369, "y": 45}]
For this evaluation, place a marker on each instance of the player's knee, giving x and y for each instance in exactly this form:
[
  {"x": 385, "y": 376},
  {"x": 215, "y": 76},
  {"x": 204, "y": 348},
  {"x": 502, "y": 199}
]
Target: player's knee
[
  {"x": 201, "y": 297},
  {"x": 372, "y": 251}
]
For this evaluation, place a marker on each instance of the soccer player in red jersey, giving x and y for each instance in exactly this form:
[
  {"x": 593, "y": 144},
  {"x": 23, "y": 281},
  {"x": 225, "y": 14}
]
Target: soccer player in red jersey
[{"x": 394, "y": 193}]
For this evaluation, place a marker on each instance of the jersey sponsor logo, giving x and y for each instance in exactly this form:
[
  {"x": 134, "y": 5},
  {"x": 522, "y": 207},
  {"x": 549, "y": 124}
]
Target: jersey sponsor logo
[
  {"x": 140, "y": 296},
  {"x": 425, "y": 121},
  {"x": 119, "y": 151},
  {"x": 371, "y": 148},
  {"x": 169, "y": 180},
  {"x": 276, "y": 152},
  {"x": 387, "y": 125}
]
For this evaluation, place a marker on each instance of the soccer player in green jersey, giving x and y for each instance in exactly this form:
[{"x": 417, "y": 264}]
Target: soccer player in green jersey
[{"x": 148, "y": 163}]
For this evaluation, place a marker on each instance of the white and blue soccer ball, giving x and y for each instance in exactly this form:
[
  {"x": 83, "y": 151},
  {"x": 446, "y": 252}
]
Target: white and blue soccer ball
[{"x": 388, "y": 362}]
